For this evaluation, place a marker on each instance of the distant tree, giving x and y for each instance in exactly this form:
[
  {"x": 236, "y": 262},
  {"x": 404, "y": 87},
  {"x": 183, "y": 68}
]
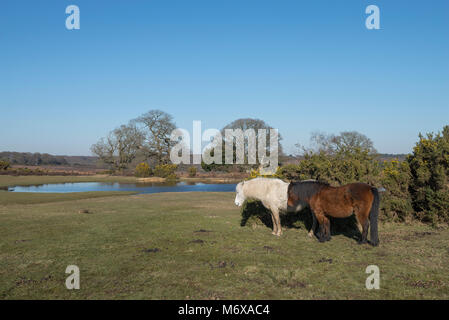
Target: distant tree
[
  {"x": 346, "y": 142},
  {"x": 256, "y": 124},
  {"x": 243, "y": 124},
  {"x": 120, "y": 147},
  {"x": 33, "y": 159},
  {"x": 156, "y": 126}
]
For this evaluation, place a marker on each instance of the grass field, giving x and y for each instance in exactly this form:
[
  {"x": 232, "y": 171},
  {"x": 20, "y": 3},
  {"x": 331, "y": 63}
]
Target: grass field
[{"x": 192, "y": 246}]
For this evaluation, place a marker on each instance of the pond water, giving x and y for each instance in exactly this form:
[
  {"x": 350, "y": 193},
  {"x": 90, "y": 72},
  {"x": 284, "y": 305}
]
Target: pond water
[{"x": 115, "y": 186}]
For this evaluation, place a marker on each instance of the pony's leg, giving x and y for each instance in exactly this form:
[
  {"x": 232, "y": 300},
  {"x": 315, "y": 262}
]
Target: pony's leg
[
  {"x": 312, "y": 230},
  {"x": 275, "y": 227},
  {"x": 321, "y": 218},
  {"x": 278, "y": 221},
  {"x": 362, "y": 218},
  {"x": 327, "y": 228}
]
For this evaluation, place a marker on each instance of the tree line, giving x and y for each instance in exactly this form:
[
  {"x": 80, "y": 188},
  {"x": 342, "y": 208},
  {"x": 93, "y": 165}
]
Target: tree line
[
  {"x": 147, "y": 138},
  {"x": 32, "y": 159}
]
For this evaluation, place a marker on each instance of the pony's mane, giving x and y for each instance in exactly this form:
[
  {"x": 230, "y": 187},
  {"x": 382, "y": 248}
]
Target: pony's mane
[
  {"x": 311, "y": 181},
  {"x": 307, "y": 188}
]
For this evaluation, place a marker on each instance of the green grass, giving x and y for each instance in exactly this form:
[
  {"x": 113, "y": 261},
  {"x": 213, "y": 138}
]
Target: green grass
[{"x": 192, "y": 246}]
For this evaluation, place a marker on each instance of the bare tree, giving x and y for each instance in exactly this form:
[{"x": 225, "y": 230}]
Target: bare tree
[
  {"x": 120, "y": 147},
  {"x": 346, "y": 141},
  {"x": 255, "y": 124},
  {"x": 157, "y": 127}
]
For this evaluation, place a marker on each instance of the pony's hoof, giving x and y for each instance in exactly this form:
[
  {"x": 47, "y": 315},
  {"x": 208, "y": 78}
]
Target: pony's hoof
[
  {"x": 310, "y": 234},
  {"x": 374, "y": 244}
]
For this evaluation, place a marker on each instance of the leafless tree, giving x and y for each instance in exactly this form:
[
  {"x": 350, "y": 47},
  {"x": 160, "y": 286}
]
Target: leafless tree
[
  {"x": 255, "y": 124},
  {"x": 157, "y": 127},
  {"x": 346, "y": 141},
  {"x": 120, "y": 147}
]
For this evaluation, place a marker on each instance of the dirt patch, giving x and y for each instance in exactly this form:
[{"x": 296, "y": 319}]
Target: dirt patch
[
  {"x": 425, "y": 284},
  {"x": 325, "y": 260},
  {"x": 222, "y": 264},
  {"x": 21, "y": 240},
  {"x": 25, "y": 281},
  {"x": 418, "y": 235},
  {"x": 423, "y": 234},
  {"x": 296, "y": 284},
  {"x": 197, "y": 241},
  {"x": 268, "y": 248},
  {"x": 202, "y": 231},
  {"x": 151, "y": 250}
]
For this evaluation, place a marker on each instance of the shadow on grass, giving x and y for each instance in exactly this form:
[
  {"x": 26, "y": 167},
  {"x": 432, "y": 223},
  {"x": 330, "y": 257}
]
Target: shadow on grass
[{"x": 254, "y": 213}]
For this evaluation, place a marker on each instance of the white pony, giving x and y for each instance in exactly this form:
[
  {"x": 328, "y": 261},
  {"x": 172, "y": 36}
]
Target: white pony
[{"x": 271, "y": 192}]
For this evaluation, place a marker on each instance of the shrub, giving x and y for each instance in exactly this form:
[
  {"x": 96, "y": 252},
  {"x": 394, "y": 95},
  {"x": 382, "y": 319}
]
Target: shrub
[
  {"x": 143, "y": 170},
  {"x": 396, "y": 202},
  {"x": 165, "y": 170},
  {"x": 4, "y": 165},
  {"x": 429, "y": 166},
  {"x": 358, "y": 166},
  {"x": 336, "y": 169},
  {"x": 192, "y": 171},
  {"x": 171, "y": 176}
]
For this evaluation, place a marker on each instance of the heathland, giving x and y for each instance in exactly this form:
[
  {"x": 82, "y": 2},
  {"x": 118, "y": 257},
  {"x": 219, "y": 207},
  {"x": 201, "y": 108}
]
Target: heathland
[{"x": 193, "y": 246}]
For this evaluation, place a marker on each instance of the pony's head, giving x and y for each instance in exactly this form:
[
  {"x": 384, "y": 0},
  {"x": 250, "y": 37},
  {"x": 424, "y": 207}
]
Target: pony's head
[{"x": 239, "y": 196}]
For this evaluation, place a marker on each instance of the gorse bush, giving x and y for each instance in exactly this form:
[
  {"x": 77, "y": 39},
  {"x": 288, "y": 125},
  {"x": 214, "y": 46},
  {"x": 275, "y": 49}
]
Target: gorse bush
[
  {"x": 192, "y": 171},
  {"x": 396, "y": 204},
  {"x": 165, "y": 171},
  {"x": 143, "y": 170},
  {"x": 336, "y": 169},
  {"x": 414, "y": 189},
  {"x": 4, "y": 165},
  {"x": 429, "y": 166}
]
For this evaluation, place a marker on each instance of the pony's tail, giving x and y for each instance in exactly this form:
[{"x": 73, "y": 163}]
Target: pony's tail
[{"x": 373, "y": 217}]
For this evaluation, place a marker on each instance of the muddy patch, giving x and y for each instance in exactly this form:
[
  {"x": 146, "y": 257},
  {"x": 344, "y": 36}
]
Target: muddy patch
[
  {"x": 325, "y": 260},
  {"x": 426, "y": 284},
  {"x": 296, "y": 284},
  {"x": 21, "y": 241},
  {"x": 418, "y": 235},
  {"x": 151, "y": 250},
  {"x": 197, "y": 241},
  {"x": 26, "y": 281},
  {"x": 222, "y": 264},
  {"x": 202, "y": 231}
]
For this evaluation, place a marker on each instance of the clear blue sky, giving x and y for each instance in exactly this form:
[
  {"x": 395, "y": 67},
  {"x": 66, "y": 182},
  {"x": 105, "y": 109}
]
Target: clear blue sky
[{"x": 302, "y": 66}]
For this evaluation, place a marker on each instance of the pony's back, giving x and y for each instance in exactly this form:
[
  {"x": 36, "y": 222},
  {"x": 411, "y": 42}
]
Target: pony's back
[{"x": 271, "y": 191}]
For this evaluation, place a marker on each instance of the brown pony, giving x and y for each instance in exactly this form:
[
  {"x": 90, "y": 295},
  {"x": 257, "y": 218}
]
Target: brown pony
[{"x": 340, "y": 202}]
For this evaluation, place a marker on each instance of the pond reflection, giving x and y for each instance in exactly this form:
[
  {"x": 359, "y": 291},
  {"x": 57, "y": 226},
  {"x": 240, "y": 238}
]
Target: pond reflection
[{"x": 152, "y": 187}]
